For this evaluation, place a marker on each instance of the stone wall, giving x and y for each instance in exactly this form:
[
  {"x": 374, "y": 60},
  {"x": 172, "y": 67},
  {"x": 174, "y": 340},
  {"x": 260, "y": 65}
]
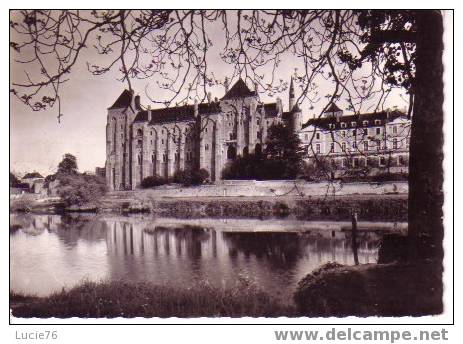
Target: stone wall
[{"x": 255, "y": 188}]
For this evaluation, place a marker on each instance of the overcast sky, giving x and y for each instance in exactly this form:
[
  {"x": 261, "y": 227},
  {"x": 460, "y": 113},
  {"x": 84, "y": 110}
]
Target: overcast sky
[{"x": 38, "y": 141}]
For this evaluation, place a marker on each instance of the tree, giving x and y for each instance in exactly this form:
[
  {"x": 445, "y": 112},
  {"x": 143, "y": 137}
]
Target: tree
[
  {"x": 191, "y": 177},
  {"x": 152, "y": 181},
  {"x": 79, "y": 189},
  {"x": 250, "y": 166},
  {"x": 283, "y": 152},
  {"x": 68, "y": 165}
]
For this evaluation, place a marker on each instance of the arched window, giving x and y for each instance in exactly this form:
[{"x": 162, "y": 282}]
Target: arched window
[
  {"x": 139, "y": 132},
  {"x": 245, "y": 151},
  {"x": 231, "y": 153},
  {"x": 258, "y": 149}
]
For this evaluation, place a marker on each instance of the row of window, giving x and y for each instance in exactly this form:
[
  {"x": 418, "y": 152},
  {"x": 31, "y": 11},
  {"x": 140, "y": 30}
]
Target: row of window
[
  {"x": 378, "y": 145},
  {"x": 365, "y": 162},
  {"x": 189, "y": 157},
  {"x": 343, "y": 133},
  {"x": 354, "y": 124}
]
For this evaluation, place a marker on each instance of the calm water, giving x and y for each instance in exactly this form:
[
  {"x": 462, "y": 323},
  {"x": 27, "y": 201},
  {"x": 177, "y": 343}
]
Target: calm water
[{"x": 49, "y": 252}]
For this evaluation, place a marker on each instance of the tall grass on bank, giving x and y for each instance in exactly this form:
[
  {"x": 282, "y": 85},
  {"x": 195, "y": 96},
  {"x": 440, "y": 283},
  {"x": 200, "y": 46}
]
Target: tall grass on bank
[{"x": 143, "y": 299}]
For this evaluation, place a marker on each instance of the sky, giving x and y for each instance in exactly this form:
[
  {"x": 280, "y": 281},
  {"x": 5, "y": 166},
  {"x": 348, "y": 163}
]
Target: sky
[{"x": 38, "y": 141}]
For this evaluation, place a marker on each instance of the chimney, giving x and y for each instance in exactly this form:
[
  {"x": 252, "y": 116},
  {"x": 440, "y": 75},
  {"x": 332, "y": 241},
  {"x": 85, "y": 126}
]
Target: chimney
[
  {"x": 137, "y": 102},
  {"x": 209, "y": 97},
  {"x": 195, "y": 107},
  {"x": 226, "y": 84},
  {"x": 149, "y": 113}
]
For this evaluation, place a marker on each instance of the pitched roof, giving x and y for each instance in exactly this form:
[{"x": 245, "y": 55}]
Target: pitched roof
[
  {"x": 123, "y": 101},
  {"x": 177, "y": 113},
  {"x": 239, "y": 90},
  {"x": 333, "y": 108},
  {"x": 32, "y": 175},
  {"x": 324, "y": 122}
]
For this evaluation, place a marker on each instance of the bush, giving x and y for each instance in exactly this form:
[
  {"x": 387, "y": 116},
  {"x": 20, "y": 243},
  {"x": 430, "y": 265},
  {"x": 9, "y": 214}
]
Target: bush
[
  {"x": 191, "y": 177},
  {"x": 247, "y": 167},
  {"x": 152, "y": 181},
  {"x": 78, "y": 189}
]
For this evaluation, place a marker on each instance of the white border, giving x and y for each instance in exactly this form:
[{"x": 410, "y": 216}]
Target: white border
[{"x": 233, "y": 333}]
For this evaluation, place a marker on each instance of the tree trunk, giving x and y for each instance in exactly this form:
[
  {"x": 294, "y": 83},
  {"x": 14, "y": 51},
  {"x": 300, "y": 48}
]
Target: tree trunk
[{"x": 426, "y": 144}]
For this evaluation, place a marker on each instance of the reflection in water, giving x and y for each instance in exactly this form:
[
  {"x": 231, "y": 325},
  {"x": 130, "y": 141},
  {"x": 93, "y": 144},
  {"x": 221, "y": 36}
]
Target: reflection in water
[{"x": 49, "y": 252}]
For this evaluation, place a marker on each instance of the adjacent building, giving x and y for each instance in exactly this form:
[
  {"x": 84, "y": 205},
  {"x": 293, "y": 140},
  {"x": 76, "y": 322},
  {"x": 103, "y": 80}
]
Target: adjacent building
[{"x": 340, "y": 145}]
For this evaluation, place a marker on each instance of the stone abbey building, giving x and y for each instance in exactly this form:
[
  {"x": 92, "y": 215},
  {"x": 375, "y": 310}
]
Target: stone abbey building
[{"x": 145, "y": 142}]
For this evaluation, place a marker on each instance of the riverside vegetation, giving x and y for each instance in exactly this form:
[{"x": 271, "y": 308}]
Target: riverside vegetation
[
  {"x": 124, "y": 299},
  {"x": 331, "y": 290}
]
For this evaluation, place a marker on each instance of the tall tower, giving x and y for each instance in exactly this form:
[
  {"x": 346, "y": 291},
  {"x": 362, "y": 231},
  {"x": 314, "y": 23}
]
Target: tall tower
[
  {"x": 292, "y": 97},
  {"x": 120, "y": 117}
]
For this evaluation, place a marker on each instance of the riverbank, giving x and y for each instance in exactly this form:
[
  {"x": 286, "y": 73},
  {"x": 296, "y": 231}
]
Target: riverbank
[
  {"x": 311, "y": 208},
  {"x": 368, "y": 207},
  {"x": 396, "y": 289}
]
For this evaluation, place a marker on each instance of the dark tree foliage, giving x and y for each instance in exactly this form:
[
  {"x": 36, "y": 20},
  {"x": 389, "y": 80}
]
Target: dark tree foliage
[
  {"x": 281, "y": 159},
  {"x": 79, "y": 189},
  {"x": 73, "y": 187},
  {"x": 68, "y": 165},
  {"x": 152, "y": 181},
  {"x": 14, "y": 181},
  {"x": 283, "y": 152},
  {"x": 191, "y": 177},
  {"x": 246, "y": 167}
]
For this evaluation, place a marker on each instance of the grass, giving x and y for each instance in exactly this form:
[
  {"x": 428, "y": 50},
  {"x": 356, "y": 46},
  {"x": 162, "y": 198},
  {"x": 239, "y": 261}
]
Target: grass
[
  {"x": 396, "y": 289},
  {"x": 124, "y": 299}
]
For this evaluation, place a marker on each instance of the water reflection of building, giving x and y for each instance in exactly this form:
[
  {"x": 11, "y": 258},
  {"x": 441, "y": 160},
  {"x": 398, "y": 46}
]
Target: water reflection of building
[
  {"x": 166, "y": 253},
  {"x": 137, "y": 248}
]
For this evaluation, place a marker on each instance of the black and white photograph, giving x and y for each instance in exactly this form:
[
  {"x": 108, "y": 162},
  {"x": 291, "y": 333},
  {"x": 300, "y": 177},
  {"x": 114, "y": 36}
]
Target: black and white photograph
[{"x": 221, "y": 164}]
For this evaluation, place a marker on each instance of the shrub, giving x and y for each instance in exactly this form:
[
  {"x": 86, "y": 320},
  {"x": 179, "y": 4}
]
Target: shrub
[
  {"x": 152, "y": 181},
  {"x": 247, "y": 167},
  {"x": 191, "y": 177},
  {"x": 78, "y": 189}
]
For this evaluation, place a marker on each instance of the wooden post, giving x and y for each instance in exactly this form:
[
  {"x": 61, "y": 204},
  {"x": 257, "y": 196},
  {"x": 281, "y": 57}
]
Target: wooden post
[{"x": 354, "y": 238}]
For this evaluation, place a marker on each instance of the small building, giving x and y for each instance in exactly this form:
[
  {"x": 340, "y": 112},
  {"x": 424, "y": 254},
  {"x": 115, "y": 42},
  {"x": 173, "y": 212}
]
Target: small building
[
  {"x": 100, "y": 172},
  {"x": 34, "y": 180}
]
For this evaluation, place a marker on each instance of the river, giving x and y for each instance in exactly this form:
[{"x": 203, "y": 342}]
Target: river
[{"x": 49, "y": 252}]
